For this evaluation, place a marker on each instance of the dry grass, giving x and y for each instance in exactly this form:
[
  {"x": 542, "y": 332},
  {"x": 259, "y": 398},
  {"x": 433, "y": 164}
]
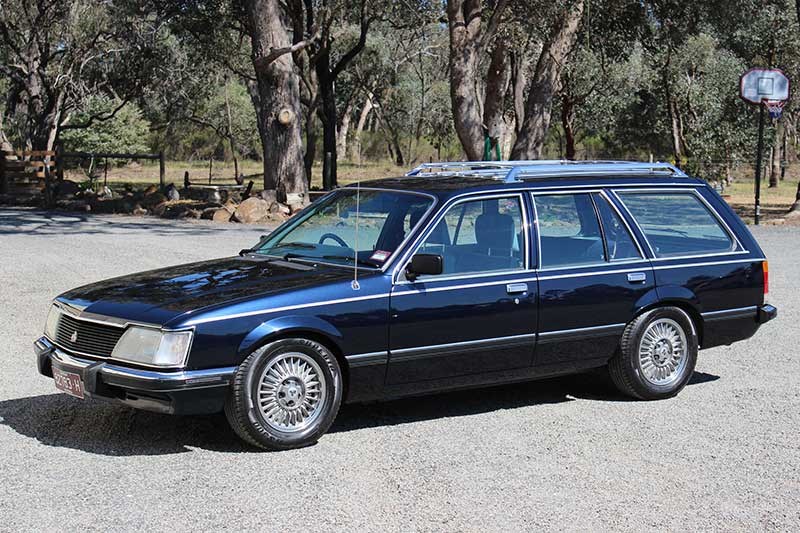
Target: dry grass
[
  {"x": 775, "y": 202},
  {"x": 140, "y": 175}
]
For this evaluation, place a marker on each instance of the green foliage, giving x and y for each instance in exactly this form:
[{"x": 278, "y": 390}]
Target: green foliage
[{"x": 127, "y": 131}]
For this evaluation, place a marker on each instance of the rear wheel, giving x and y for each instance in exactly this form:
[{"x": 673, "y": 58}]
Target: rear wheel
[
  {"x": 285, "y": 395},
  {"x": 657, "y": 354}
]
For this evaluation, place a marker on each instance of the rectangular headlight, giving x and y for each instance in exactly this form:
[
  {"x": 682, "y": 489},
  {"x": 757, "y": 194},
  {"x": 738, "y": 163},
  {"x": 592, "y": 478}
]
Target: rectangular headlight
[
  {"x": 51, "y": 324},
  {"x": 154, "y": 347}
]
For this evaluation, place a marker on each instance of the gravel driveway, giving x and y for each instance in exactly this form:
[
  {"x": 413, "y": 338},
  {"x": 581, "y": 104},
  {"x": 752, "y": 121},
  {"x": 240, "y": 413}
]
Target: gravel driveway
[{"x": 567, "y": 454}]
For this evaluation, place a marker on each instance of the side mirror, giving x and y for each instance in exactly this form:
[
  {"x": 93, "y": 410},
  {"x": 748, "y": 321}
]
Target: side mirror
[{"x": 427, "y": 264}]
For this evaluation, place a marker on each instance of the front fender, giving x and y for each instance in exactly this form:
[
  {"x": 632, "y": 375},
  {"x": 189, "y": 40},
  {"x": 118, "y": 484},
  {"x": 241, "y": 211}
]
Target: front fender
[{"x": 288, "y": 324}]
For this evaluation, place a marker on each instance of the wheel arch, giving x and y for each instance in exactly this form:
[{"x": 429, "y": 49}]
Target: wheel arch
[
  {"x": 311, "y": 328},
  {"x": 688, "y": 306}
]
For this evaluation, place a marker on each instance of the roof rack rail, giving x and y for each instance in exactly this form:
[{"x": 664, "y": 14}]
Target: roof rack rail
[{"x": 511, "y": 171}]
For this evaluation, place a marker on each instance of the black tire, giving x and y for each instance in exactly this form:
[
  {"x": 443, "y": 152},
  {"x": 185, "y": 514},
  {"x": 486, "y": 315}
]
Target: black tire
[
  {"x": 242, "y": 407},
  {"x": 626, "y": 369}
]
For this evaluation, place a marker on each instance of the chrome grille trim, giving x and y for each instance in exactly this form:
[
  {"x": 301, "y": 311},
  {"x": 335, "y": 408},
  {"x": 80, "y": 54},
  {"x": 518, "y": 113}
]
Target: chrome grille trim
[{"x": 93, "y": 339}]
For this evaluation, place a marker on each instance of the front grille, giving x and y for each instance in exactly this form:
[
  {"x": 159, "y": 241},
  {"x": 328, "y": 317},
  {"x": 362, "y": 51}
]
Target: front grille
[{"x": 92, "y": 339}]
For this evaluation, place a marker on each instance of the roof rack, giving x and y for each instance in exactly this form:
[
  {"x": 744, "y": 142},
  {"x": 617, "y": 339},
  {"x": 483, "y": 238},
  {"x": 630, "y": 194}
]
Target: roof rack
[{"x": 511, "y": 171}]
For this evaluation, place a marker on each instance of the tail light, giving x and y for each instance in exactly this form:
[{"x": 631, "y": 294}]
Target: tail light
[{"x": 765, "y": 268}]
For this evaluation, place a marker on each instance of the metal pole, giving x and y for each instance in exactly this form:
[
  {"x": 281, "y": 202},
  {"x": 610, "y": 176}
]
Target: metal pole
[{"x": 758, "y": 160}]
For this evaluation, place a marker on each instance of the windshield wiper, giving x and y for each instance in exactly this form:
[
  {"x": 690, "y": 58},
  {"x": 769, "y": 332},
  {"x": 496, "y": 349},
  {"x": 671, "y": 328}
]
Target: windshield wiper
[
  {"x": 349, "y": 258},
  {"x": 301, "y": 245}
]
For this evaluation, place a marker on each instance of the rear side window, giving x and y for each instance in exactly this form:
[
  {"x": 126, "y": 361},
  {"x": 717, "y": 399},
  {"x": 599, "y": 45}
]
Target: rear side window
[
  {"x": 677, "y": 223},
  {"x": 569, "y": 232}
]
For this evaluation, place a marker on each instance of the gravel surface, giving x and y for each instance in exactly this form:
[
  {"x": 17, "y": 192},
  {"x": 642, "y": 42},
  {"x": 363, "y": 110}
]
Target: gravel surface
[{"x": 567, "y": 454}]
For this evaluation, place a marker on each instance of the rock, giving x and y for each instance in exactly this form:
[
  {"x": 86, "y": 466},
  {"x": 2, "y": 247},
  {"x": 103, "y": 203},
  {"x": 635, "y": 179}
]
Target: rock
[
  {"x": 67, "y": 189},
  {"x": 160, "y": 209},
  {"x": 153, "y": 199},
  {"x": 172, "y": 193},
  {"x": 252, "y": 210},
  {"x": 283, "y": 209},
  {"x": 269, "y": 195},
  {"x": 221, "y": 215},
  {"x": 138, "y": 210},
  {"x": 296, "y": 199},
  {"x": 208, "y": 213},
  {"x": 230, "y": 206}
]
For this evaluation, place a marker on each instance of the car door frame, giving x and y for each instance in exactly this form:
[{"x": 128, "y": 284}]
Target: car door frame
[
  {"x": 527, "y": 275},
  {"x": 590, "y": 335}
]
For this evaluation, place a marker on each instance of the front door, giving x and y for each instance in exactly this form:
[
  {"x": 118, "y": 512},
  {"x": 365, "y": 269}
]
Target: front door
[
  {"x": 479, "y": 315},
  {"x": 593, "y": 278}
]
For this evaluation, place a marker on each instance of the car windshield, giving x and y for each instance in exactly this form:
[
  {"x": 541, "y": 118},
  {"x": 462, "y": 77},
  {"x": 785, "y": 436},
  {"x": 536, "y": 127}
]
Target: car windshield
[{"x": 327, "y": 231}]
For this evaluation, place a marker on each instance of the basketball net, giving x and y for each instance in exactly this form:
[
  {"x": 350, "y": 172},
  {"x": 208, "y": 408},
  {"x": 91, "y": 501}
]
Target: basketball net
[{"x": 775, "y": 107}]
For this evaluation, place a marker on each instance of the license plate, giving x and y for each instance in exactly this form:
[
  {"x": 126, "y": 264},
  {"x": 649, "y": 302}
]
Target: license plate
[{"x": 68, "y": 382}]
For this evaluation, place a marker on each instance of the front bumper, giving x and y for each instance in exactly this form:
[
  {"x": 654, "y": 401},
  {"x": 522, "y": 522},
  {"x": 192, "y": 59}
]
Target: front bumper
[{"x": 173, "y": 392}]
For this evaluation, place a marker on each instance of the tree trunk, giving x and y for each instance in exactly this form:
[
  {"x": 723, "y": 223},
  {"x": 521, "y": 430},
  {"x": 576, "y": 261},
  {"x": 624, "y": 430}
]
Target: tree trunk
[
  {"x": 464, "y": 22},
  {"x": 279, "y": 98},
  {"x": 311, "y": 145},
  {"x": 777, "y": 156},
  {"x": 675, "y": 128},
  {"x": 518, "y": 87},
  {"x": 538, "y": 108},
  {"x": 362, "y": 122},
  {"x": 568, "y": 123},
  {"x": 327, "y": 93},
  {"x": 341, "y": 134},
  {"x": 496, "y": 89}
]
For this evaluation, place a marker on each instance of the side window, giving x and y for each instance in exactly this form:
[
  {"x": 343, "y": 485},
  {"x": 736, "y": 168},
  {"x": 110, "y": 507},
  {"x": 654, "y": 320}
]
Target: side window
[
  {"x": 569, "y": 231},
  {"x": 677, "y": 223},
  {"x": 483, "y": 235},
  {"x": 619, "y": 242}
]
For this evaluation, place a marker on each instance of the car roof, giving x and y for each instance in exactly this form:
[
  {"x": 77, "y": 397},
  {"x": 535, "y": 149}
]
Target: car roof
[{"x": 445, "y": 180}]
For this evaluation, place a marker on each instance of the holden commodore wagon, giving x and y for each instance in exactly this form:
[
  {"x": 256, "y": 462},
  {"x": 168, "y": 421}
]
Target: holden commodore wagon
[{"x": 456, "y": 275}]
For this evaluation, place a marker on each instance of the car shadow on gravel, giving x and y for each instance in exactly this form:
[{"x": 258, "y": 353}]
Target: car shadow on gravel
[
  {"x": 110, "y": 429},
  {"x": 587, "y": 386}
]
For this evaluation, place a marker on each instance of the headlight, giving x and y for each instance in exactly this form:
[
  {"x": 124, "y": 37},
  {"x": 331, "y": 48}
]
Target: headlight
[
  {"x": 153, "y": 347},
  {"x": 51, "y": 324}
]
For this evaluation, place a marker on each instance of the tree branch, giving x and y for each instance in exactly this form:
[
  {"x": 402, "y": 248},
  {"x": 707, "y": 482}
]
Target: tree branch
[{"x": 99, "y": 117}]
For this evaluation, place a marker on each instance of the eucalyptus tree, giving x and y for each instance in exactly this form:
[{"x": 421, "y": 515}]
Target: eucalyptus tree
[{"x": 58, "y": 53}]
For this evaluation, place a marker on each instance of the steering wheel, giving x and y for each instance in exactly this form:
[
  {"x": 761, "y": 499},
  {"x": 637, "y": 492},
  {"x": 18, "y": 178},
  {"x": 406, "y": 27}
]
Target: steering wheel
[{"x": 336, "y": 238}]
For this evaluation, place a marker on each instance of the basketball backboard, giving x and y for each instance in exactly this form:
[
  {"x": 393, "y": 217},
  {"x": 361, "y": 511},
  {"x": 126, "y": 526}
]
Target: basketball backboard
[{"x": 759, "y": 84}]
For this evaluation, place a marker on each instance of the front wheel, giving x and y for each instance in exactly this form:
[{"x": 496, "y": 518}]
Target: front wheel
[
  {"x": 657, "y": 354},
  {"x": 285, "y": 395}
]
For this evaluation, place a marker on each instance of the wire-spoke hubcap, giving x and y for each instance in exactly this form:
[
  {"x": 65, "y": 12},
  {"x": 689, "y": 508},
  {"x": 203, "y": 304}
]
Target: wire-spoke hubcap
[
  {"x": 291, "y": 393},
  {"x": 663, "y": 352}
]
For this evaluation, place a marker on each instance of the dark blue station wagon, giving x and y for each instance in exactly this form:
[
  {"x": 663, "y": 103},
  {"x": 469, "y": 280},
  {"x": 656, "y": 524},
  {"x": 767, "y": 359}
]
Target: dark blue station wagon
[{"x": 456, "y": 275}]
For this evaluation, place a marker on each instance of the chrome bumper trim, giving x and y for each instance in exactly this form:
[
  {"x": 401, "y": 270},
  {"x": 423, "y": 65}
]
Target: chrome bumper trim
[{"x": 134, "y": 378}]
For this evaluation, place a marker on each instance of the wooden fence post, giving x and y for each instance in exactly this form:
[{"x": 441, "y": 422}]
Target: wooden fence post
[{"x": 162, "y": 169}]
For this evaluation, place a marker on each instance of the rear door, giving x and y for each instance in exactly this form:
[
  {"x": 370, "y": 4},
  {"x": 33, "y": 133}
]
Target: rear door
[
  {"x": 593, "y": 277},
  {"x": 479, "y": 315}
]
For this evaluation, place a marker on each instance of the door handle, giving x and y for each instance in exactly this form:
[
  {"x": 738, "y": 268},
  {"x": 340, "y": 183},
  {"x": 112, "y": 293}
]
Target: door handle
[
  {"x": 637, "y": 277},
  {"x": 516, "y": 288}
]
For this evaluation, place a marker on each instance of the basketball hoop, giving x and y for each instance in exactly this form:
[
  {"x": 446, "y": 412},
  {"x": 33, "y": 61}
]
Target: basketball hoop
[
  {"x": 767, "y": 87},
  {"x": 775, "y": 108}
]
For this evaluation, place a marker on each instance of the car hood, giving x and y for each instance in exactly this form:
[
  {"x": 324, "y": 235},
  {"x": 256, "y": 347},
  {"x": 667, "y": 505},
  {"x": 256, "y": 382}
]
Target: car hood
[{"x": 159, "y": 296}]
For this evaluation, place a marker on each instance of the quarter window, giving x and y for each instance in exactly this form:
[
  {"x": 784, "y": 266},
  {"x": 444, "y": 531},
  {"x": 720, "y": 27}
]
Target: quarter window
[
  {"x": 483, "y": 235},
  {"x": 677, "y": 224}
]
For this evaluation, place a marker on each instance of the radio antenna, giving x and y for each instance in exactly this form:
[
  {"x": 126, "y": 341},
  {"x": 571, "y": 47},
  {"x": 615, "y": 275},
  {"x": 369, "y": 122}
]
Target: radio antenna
[{"x": 355, "y": 284}]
